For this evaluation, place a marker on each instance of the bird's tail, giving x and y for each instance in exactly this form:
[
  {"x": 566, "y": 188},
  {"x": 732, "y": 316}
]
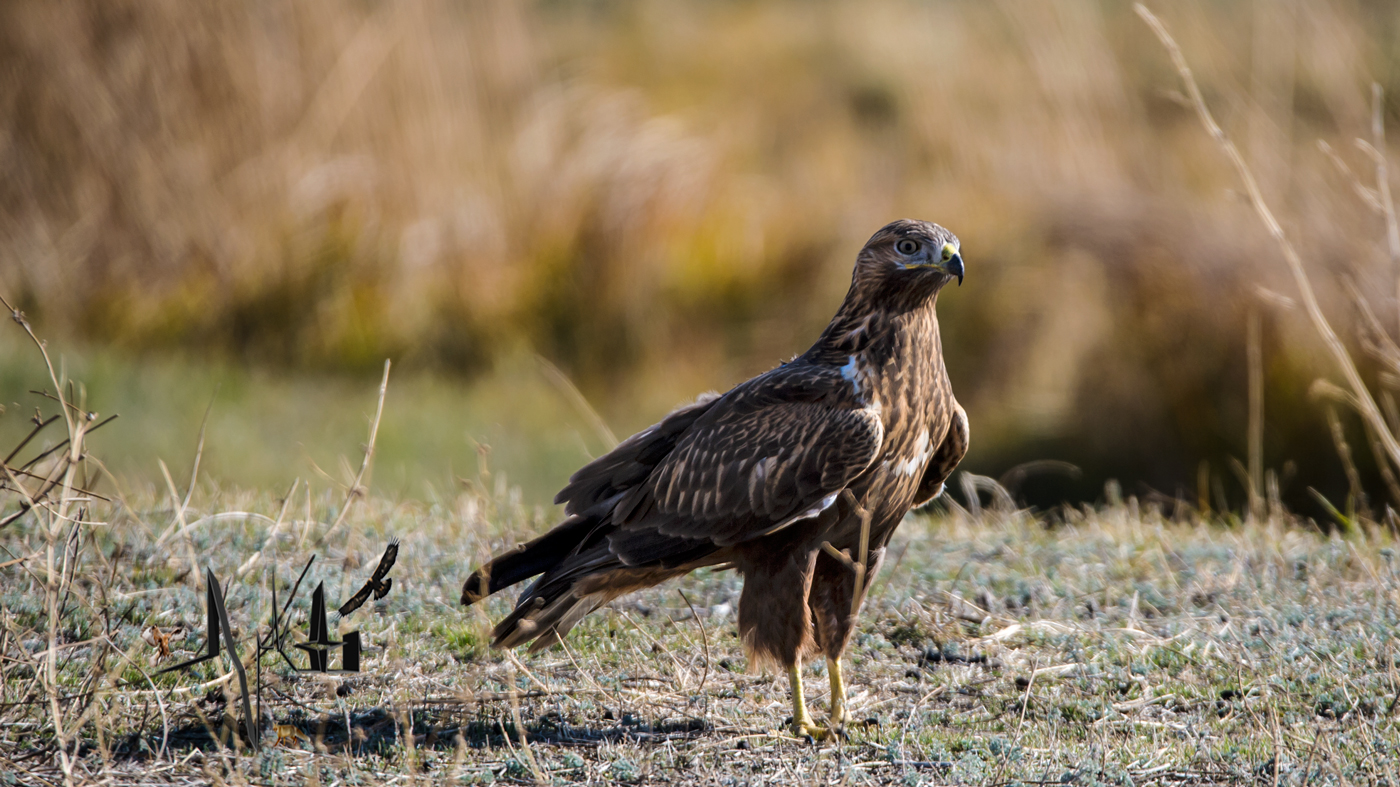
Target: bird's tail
[
  {"x": 557, "y": 601},
  {"x": 580, "y": 574},
  {"x": 529, "y": 559},
  {"x": 566, "y": 556},
  {"x": 578, "y": 571}
]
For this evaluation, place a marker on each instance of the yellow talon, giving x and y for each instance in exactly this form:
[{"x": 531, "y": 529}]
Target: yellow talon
[
  {"x": 802, "y": 724},
  {"x": 839, "y": 715}
]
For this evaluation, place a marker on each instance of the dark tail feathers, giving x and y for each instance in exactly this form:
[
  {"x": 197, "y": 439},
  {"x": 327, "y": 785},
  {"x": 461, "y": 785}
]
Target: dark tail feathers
[
  {"x": 529, "y": 559},
  {"x": 549, "y": 608}
]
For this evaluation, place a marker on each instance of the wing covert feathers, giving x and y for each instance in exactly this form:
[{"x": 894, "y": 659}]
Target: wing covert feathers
[{"x": 710, "y": 475}]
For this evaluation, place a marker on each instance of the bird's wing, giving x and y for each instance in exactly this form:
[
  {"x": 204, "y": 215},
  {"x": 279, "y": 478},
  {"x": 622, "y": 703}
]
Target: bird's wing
[
  {"x": 376, "y": 585},
  {"x": 947, "y": 456},
  {"x": 629, "y": 464},
  {"x": 775, "y": 450},
  {"x": 391, "y": 553},
  {"x": 357, "y": 600}
]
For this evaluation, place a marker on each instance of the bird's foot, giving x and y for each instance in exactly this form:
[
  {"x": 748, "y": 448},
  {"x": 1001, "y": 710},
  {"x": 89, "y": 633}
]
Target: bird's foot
[
  {"x": 801, "y": 724},
  {"x": 808, "y": 729},
  {"x": 839, "y": 714}
]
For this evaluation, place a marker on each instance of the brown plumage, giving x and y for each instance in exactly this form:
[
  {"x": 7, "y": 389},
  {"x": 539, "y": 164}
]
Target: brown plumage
[
  {"x": 378, "y": 584},
  {"x": 760, "y": 478}
]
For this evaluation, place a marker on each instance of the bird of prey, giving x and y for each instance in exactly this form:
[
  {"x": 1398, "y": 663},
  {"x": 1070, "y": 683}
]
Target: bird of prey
[
  {"x": 796, "y": 478},
  {"x": 378, "y": 583}
]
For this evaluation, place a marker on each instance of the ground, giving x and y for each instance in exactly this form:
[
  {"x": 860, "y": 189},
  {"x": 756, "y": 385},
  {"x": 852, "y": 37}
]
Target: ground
[{"x": 1112, "y": 646}]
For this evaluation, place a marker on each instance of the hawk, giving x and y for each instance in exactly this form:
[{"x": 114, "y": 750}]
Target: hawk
[
  {"x": 796, "y": 479},
  {"x": 379, "y": 583}
]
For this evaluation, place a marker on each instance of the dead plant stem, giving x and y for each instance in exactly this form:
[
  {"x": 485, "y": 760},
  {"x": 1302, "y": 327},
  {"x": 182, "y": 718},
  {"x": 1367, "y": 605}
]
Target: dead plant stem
[
  {"x": 1367, "y": 403},
  {"x": 356, "y": 490}
]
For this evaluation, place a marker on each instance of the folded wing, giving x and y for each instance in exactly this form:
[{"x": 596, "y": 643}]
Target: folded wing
[{"x": 773, "y": 451}]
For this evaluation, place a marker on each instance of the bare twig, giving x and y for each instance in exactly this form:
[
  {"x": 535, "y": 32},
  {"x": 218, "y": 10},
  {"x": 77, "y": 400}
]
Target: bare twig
[
  {"x": 55, "y": 584},
  {"x": 38, "y": 427},
  {"x": 356, "y": 489},
  {"x": 64, "y": 443},
  {"x": 704, "y": 641},
  {"x": 520, "y": 730},
  {"x": 1364, "y": 193},
  {"x": 18, "y": 317},
  {"x": 1339, "y": 441},
  {"x": 198, "y": 454}
]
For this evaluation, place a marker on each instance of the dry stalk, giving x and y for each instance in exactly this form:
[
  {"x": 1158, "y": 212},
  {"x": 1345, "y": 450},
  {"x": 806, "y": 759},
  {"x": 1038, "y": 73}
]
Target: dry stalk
[
  {"x": 1373, "y": 336},
  {"x": 1339, "y": 441},
  {"x": 1362, "y": 191},
  {"x": 356, "y": 490},
  {"x": 680, "y": 667},
  {"x": 58, "y": 505},
  {"x": 1370, "y": 412},
  {"x": 1387, "y": 205},
  {"x": 160, "y": 703},
  {"x": 180, "y": 522},
  {"x": 588, "y": 675},
  {"x": 54, "y": 590},
  {"x": 271, "y": 542},
  {"x": 52, "y": 522},
  {"x": 704, "y": 641},
  {"x": 198, "y": 454},
  {"x": 577, "y": 399},
  {"x": 520, "y": 731},
  {"x": 1256, "y": 415}
]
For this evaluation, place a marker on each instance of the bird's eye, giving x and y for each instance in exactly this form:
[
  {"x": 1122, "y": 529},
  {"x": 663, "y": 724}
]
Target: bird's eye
[{"x": 907, "y": 246}]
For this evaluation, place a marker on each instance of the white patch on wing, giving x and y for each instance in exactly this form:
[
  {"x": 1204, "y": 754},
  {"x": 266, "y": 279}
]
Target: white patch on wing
[
  {"x": 808, "y": 514},
  {"x": 850, "y": 372},
  {"x": 915, "y": 463}
]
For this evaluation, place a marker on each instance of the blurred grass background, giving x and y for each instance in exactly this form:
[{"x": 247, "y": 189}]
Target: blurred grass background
[{"x": 256, "y": 203}]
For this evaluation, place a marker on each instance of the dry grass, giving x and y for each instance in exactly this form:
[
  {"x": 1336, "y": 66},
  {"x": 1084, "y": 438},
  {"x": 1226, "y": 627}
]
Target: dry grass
[
  {"x": 1134, "y": 643},
  {"x": 1121, "y": 647}
]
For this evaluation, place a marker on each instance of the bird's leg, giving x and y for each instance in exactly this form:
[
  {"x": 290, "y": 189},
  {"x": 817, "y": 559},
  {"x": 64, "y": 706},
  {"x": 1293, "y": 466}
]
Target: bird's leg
[
  {"x": 802, "y": 721},
  {"x": 838, "y": 694}
]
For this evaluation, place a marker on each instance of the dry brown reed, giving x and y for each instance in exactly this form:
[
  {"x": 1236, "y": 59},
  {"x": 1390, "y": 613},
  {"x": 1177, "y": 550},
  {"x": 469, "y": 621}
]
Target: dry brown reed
[
  {"x": 58, "y": 504},
  {"x": 1359, "y": 395},
  {"x": 663, "y": 202}
]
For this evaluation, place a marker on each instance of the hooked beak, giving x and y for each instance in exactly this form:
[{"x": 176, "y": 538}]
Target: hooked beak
[{"x": 954, "y": 267}]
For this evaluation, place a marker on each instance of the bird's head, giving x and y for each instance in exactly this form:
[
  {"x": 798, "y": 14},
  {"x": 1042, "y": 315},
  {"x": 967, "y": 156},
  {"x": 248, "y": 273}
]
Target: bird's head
[{"x": 910, "y": 257}]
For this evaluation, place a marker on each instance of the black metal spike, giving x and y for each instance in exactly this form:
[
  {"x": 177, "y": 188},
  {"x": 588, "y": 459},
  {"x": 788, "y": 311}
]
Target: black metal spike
[
  {"x": 218, "y": 625},
  {"x": 350, "y": 653},
  {"x": 319, "y": 642}
]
